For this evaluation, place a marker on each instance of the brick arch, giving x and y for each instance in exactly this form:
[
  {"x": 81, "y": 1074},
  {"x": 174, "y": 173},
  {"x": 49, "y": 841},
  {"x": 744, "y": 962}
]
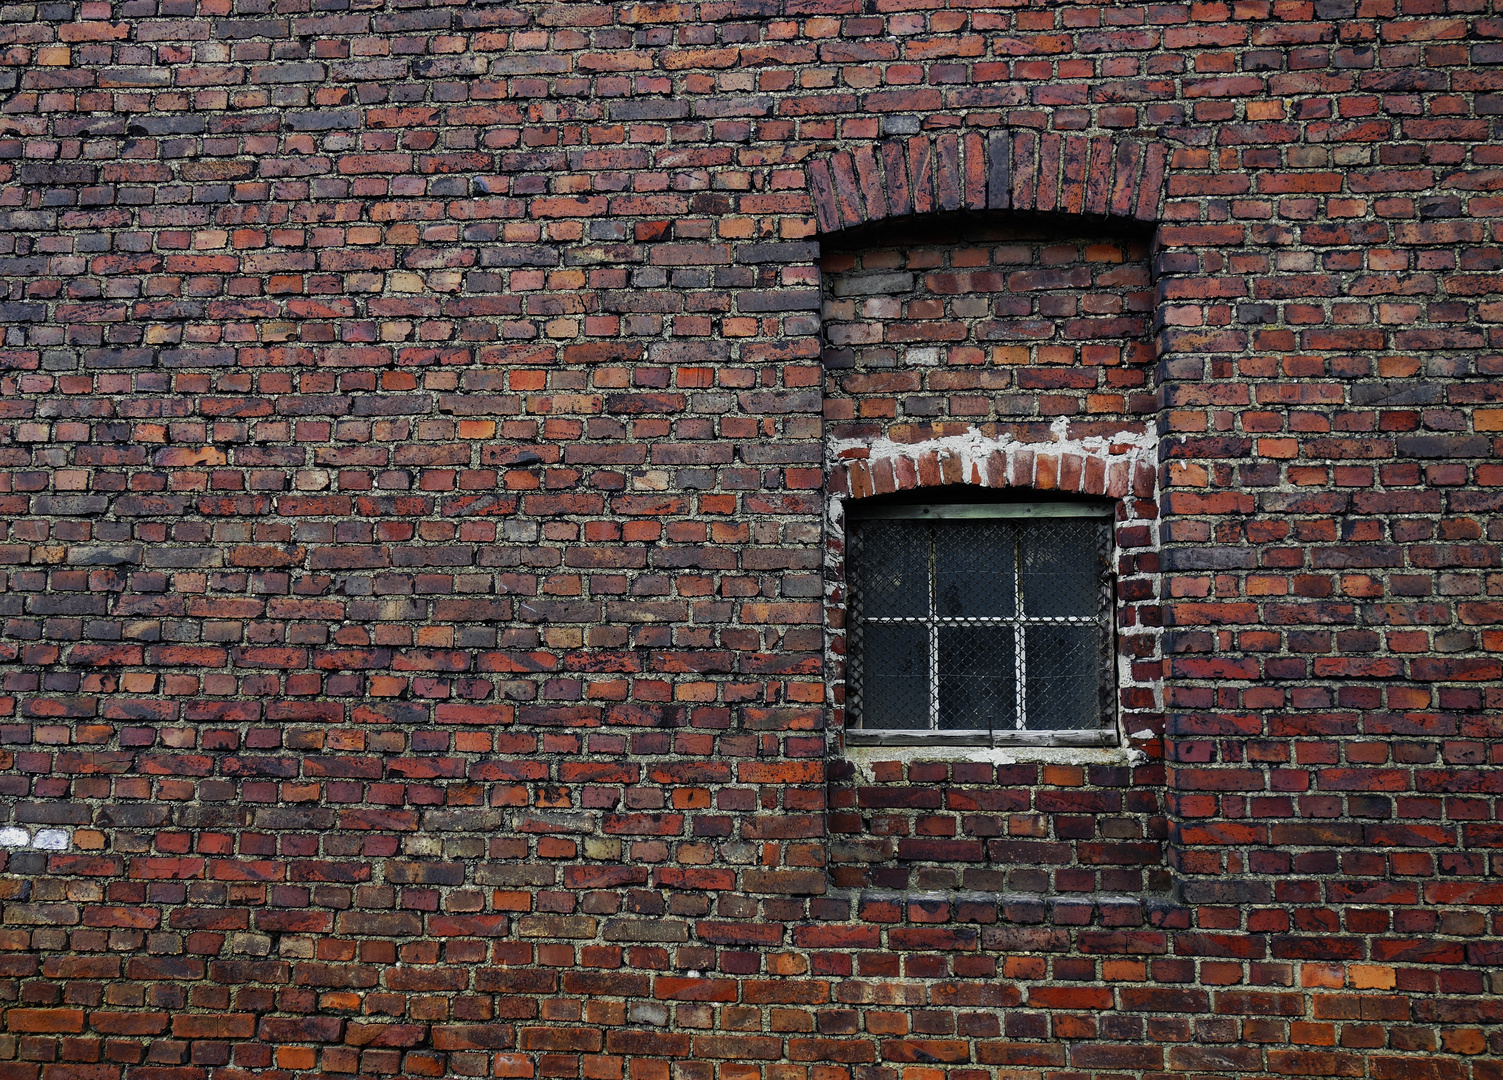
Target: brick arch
[
  {"x": 1091, "y": 467},
  {"x": 1049, "y": 172}
]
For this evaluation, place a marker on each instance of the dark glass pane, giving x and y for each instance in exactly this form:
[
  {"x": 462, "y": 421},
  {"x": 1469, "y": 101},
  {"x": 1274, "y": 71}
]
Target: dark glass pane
[
  {"x": 1061, "y": 567},
  {"x": 973, "y": 568},
  {"x": 976, "y": 678},
  {"x": 894, "y": 676},
  {"x": 1063, "y": 677},
  {"x": 889, "y": 564}
]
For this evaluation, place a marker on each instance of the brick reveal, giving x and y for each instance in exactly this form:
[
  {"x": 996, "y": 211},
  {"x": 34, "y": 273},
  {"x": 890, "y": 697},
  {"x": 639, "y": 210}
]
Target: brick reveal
[{"x": 425, "y": 430}]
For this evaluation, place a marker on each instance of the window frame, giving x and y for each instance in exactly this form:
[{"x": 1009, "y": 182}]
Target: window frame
[{"x": 1108, "y": 734}]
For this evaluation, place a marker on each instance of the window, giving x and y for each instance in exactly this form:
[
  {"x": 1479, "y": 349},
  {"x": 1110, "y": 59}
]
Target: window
[{"x": 980, "y": 624}]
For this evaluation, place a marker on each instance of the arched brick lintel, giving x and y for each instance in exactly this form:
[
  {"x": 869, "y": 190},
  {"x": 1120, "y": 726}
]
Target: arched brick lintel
[
  {"x": 1041, "y": 466},
  {"x": 1048, "y": 172}
]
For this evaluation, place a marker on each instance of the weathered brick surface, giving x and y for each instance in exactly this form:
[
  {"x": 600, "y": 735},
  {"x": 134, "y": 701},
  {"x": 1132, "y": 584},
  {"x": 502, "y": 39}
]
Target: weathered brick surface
[
  {"x": 1004, "y": 329},
  {"x": 422, "y": 625},
  {"x": 1050, "y": 830}
]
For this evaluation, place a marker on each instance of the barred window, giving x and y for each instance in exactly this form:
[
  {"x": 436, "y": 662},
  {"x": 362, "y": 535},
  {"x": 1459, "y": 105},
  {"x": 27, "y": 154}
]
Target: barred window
[{"x": 985, "y": 623}]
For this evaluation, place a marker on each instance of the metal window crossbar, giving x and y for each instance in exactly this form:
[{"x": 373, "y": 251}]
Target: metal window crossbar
[{"x": 968, "y": 627}]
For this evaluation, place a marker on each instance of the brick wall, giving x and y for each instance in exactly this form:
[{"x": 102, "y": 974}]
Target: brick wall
[{"x": 424, "y": 430}]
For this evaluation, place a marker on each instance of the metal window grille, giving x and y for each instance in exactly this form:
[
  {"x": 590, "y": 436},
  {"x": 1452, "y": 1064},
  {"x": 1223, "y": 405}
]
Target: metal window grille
[{"x": 980, "y": 624}]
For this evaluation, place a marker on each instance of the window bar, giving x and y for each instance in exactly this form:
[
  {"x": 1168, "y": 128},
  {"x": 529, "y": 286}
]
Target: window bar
[
  {"x": 1106, "y": 623},
  {"x": 1019, "y": 640},
  {"x": 933, "y": 638}
]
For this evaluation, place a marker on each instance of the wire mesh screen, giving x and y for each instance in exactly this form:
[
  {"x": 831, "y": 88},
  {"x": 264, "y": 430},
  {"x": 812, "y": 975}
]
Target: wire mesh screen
[{"x": 990, "y": 625}]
